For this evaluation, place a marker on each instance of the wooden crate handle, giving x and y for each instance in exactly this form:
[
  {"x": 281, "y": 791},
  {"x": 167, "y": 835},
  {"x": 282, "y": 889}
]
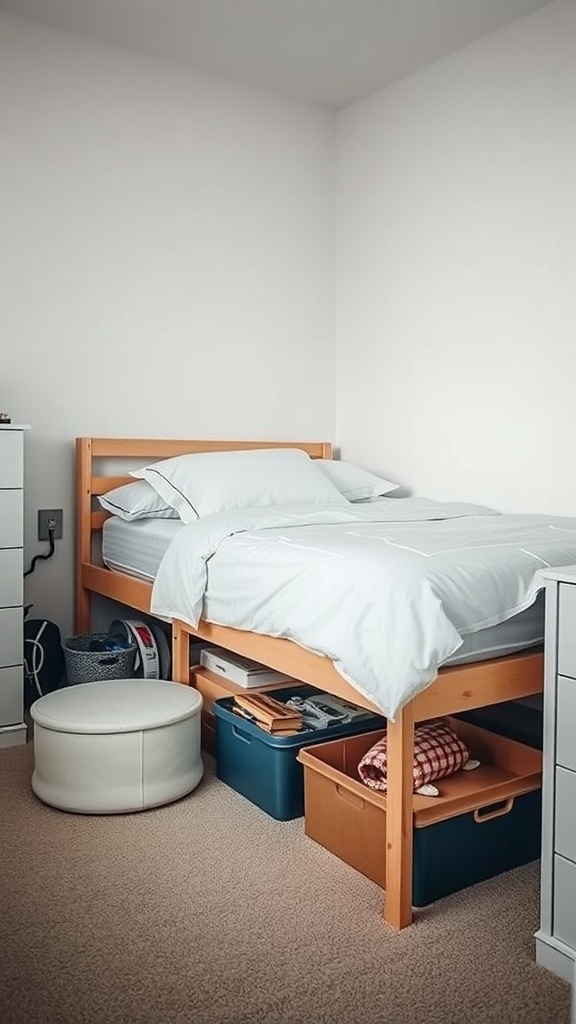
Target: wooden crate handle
[{"x": 498, "y": 812}]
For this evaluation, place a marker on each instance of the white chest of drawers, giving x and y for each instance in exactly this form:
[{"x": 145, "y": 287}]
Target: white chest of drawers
[
  {"x": 12, "y": 726},
  {"x": 556, "y": 938}
]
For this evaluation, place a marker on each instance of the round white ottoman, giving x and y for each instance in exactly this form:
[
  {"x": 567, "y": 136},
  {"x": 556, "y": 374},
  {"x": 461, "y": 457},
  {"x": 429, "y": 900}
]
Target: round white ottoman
[{"x": 116, "y": 745}]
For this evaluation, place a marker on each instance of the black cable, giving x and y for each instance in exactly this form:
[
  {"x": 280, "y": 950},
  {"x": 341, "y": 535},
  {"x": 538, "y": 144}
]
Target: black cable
[{"x": 47, "y": 554}]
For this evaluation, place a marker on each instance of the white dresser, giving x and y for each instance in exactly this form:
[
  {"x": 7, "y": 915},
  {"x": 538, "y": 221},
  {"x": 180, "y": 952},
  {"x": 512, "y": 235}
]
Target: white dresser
[
  {"x": 12, "y": 726},
  {"x": 556, "y": 938}
]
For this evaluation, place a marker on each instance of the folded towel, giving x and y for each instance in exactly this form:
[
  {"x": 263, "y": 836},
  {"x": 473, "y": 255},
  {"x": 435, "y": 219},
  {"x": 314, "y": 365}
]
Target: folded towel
[{"x": 438, "y": 751}]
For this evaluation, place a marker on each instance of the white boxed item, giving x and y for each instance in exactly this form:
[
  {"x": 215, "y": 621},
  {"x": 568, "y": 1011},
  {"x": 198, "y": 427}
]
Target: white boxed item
[{"x": 239, "y": 670}]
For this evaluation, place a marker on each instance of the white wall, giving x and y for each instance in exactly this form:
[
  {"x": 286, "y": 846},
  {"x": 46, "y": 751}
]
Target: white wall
[
  {"x": 165, "y": 263},
  {"x": 456, "y": 352}
]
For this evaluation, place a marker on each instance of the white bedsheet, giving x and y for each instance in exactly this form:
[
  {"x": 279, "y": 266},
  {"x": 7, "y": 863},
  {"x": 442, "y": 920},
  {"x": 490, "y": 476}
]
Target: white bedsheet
[{"x": 386, "y": 590}]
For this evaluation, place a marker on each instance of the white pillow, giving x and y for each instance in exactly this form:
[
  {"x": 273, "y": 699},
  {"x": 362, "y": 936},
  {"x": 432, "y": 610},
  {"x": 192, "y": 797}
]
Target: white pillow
[
  {"x": 200, "y": 485},
  {"x": 355, "y": 483},
  {"x": 136, "y": 501}
]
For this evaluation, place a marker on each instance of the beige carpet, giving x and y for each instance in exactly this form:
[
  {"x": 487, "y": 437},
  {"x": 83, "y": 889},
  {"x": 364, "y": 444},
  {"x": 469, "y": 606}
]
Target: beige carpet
[{"x": 208, "y": 911}]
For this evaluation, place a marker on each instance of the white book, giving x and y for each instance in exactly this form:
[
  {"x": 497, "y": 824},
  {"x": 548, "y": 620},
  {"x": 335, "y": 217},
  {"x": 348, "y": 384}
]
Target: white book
[{"x": 238, "y": 669}]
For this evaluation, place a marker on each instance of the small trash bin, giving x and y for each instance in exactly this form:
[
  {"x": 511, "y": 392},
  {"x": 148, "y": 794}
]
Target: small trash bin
[{"x": 91, "y": 656}]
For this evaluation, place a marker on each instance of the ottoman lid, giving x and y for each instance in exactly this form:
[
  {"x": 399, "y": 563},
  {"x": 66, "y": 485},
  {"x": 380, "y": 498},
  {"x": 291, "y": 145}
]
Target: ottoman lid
[{"x": 116, "y": 705}]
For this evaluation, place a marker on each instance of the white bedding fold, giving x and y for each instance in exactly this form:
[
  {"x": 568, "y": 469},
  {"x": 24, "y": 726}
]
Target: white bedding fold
[{"x": 386, "y": 590}]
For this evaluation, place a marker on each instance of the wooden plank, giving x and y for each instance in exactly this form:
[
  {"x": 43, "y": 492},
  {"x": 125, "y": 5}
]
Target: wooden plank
[
  {"x": 399, "y": 834},
  {"x": 285, "y": 656},
  {"x": 463, "y": 687},
  {"x": 125, "y": 589},
  {"x": 102, "y": 484},
  {"x": 97, "y": 520},
  {"x": 212, "y": 686},
  {"x": 165, "y": 448},
  {"x": 180, "y": 654},
  {"x": 83, "y": 552}
]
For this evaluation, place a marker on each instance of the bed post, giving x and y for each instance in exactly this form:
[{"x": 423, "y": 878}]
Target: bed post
[
  {"x": 399, "y": 819},
  {"x": 180, "y": 653},
  {"x": 83, "y": 529}
]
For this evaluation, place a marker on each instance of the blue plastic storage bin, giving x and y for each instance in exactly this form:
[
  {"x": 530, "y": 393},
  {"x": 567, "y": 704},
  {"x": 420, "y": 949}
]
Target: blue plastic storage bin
[
  {"x": 262, "y": 767},
  {"x": 456, "y": 853},
  {"x": 518, "y": 721}
]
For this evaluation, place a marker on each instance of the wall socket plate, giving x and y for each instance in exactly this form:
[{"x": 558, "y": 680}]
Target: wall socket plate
[{"x": 47, "y": 518}]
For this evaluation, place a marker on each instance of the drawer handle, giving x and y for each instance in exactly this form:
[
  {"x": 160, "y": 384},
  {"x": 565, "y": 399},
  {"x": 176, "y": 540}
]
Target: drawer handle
[
  {"x": 351, "y": 798},
  {"x": 493, "y": 811}
]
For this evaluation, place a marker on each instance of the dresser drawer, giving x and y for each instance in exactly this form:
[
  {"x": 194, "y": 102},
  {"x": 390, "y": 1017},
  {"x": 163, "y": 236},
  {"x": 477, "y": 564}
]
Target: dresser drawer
[
  {"x": 11, "y": 695},
  {"x": 11, "y": 513},
  {"x": 564, "y": 926},
  {"x": 11, "y": 636},
  {"x": 11, "y": 458},
  {"x": 11, "y": 570},
  {"x": 565, "y": 833},
  {"x": 565, "y": 719},
  {"x": 567, "y": 630}
]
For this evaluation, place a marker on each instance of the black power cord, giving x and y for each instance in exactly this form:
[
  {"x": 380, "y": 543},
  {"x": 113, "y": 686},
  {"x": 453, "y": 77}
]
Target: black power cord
[{"x": 45, "y": 556}]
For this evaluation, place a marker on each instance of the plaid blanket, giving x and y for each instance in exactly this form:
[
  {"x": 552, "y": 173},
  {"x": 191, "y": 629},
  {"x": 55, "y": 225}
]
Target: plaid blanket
[{"x": 438, "y": 752}]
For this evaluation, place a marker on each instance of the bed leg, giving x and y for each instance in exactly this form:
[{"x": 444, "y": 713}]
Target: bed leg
[
  {"x": 180, "y": 654},
  {"x": 82, "y": 616},
  {"x": 399, "y": 819}
]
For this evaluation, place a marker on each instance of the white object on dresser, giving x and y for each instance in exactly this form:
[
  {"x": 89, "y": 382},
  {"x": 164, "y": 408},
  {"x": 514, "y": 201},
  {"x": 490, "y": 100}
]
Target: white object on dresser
[
  {"x": 556, "y": 938},
  {"x": 12, "y": 726}
]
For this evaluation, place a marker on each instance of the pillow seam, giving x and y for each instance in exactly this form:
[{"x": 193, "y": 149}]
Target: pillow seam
[{"x": 174, "y": 488}]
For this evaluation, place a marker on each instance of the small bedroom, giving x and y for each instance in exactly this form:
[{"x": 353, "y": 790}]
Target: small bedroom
[{"x": 287, "y": 531}]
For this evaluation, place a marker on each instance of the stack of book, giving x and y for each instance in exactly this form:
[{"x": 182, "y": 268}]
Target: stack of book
[{"x": 268, "y": 714}]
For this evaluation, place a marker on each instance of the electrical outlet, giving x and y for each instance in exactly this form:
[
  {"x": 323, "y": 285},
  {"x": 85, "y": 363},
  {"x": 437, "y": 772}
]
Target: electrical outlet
[{"x": 50, "y": 519}]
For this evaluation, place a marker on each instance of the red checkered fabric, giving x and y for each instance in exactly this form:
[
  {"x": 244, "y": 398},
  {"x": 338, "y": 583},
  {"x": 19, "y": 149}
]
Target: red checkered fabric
[{"x": 438, "y": 752}]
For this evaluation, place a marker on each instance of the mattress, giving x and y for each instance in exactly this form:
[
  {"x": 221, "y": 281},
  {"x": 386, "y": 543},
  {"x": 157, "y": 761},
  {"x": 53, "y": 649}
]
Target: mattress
[{"x": 137, "y": 549}]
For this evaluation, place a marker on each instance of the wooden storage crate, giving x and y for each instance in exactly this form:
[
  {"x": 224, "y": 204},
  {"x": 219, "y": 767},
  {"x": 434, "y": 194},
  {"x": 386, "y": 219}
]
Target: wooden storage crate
[{"x": 485, "y": 821}]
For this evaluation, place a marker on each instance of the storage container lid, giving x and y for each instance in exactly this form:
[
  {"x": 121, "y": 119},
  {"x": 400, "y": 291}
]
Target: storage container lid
[{"x": 116, "y": 705}]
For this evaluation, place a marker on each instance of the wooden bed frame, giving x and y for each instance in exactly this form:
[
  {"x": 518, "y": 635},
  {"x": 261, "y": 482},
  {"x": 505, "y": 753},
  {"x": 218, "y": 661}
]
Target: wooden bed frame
[{"x": 456, "y": 689}]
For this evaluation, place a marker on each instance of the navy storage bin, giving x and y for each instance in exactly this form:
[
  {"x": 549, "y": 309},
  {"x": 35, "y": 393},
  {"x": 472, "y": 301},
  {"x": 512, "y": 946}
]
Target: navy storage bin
[
  {"x": 457, "y": 852},
  {"x": 263, "y": 767},
  {"x": 519, "y": 722}
]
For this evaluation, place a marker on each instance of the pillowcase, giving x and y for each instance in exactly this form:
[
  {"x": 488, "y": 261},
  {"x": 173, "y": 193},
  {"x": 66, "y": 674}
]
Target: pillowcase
[
  {"x": 355, "y": 483},
  {"x": 136, "y": 501},
  {"x": 438, "y": 751},
  {"x": 208, "y": 482}
]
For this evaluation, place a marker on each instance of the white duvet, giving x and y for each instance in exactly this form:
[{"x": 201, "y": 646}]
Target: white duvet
[{"x": 386, "y": 590}]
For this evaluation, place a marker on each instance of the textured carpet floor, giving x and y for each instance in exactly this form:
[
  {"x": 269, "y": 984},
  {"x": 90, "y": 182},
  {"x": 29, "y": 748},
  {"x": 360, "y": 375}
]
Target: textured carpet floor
[{"x": 208, "y": 911}]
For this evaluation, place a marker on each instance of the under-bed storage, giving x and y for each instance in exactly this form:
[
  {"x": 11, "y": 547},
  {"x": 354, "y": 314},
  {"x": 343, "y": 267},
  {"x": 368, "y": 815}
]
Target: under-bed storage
[
  {"x": 213, "y": 687},
  {"x": 456, "y": 689},
  {"x": 484, "y": 822},
  {"x": 264, "y": 767}
]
